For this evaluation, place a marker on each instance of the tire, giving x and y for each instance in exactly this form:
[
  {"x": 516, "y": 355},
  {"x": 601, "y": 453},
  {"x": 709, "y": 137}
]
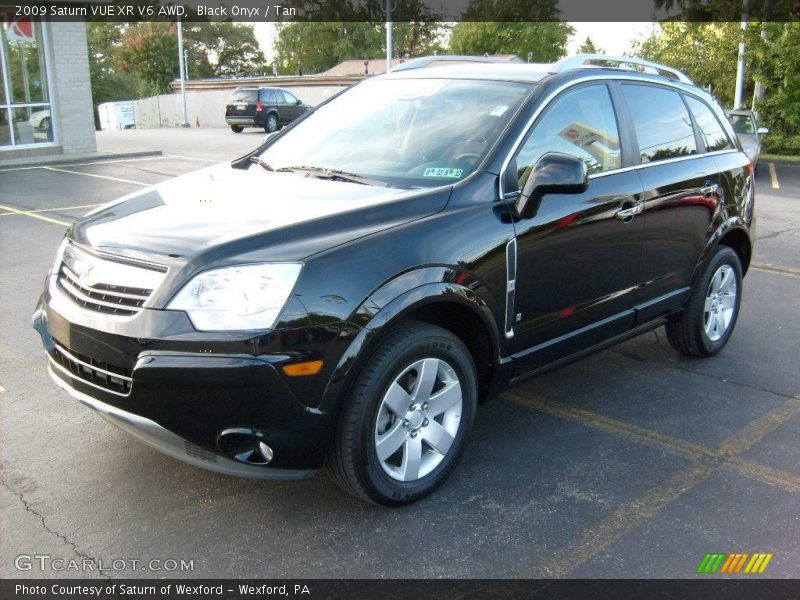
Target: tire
[
  {"x": 390, "y": 379},
  {"x": 706, "y": 325},
  {"x": 237, "y": 128},
  {"x": 271, "y": 126}
]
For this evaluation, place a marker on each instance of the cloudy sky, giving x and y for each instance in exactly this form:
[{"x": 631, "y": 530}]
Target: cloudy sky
[{"x": 614, "y": 38}]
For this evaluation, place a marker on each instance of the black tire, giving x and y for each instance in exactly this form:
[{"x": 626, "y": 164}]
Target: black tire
[
  {"x": 271, "y": 125},
  {"x": 353, "y": 460},
  {"x": 237, "y": 128},
  {"x": 686, "y": 331}
]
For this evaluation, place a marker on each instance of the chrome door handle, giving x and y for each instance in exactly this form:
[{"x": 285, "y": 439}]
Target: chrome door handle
[
  {"x": 625, "y": 214},
  {"x": 709, "y": 189}
]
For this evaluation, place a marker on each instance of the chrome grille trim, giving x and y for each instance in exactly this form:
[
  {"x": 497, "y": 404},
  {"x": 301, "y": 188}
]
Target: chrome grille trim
[
  {"x": 97, "y": 377},
  {"x": 109, "y": 285}
]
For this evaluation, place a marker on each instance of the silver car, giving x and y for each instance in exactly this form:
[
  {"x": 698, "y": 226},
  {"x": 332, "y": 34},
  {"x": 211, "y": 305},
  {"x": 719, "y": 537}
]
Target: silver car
[{"x": 746, "y": 127}]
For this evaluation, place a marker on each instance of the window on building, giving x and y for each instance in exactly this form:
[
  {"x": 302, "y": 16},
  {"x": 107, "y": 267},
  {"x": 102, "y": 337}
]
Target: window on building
[
  {"x": 662, "y": 123},
  {"x": 25, "y": 116}
]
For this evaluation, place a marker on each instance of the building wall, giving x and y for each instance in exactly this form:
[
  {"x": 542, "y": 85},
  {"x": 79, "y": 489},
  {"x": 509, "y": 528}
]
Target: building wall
[
  {"x": 206, "y": 108},
  {"x": 71, "y": 91}
]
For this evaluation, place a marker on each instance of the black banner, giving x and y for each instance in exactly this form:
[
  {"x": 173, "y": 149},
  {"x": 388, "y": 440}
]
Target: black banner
[
  {"x": 328, "y": 589},
  {"x": 405, "y": 10}
]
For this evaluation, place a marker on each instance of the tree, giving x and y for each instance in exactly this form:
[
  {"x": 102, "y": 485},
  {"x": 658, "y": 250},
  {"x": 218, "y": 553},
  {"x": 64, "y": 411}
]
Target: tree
[
  {"x": 546, "y": 41},
  {"x": 588, "y": 47},
  {"x": 706, "y": 52},
  {"x": 318, "y": 46},
  {"x": 149, "y": 51}
]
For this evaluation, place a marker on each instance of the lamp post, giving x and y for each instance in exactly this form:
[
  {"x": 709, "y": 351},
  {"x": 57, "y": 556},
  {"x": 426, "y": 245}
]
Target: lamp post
[
  {"x": 182, "y": 73},
  {"x": 390, "y": 6}
]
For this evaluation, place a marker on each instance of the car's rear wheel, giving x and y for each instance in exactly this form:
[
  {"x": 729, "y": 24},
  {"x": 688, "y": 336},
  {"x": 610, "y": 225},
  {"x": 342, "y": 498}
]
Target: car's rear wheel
[
  {"x": 271, "y": 125},
  {"x": 706, "y": 325},
  {"x": 404, "y": 426},
  {"x": 237, "y": 128}
]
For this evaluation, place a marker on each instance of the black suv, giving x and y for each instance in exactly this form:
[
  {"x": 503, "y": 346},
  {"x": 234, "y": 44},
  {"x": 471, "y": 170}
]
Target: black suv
[
  {"x": 267, "y": 107},
  {"x": 350, "y": 292}
]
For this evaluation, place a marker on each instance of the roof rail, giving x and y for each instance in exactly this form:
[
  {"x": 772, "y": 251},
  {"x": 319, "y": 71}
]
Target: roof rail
[
  {"x": 584, "y": 61},
  {"x": 425, "y": 61}
]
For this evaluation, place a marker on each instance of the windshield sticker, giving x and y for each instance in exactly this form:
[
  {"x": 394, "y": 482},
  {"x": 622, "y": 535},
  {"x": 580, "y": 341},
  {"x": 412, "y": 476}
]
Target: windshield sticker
[
  {"x": 498, "y": 111},
  {"x": 442, "y": 172}
]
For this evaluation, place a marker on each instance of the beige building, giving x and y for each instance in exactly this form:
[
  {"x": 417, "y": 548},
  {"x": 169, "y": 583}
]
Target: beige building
[{"x": 45, "y": 92}]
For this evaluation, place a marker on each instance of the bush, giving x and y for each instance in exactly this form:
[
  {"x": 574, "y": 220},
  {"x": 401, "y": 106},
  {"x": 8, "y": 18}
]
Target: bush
[{"x": 782, "y": 144}]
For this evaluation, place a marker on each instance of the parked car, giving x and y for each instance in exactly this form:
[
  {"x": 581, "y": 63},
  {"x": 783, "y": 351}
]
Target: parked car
[
  {"x": 749, "y": 133},
  {"x": 348, "y": 293},
  {"x": 267, "y": 107}
]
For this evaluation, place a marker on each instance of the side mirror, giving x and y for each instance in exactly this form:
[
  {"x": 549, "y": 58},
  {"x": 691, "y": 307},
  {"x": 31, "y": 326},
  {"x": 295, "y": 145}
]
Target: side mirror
[
  {"x": 762, "y": 131},
  {"x": 554, "y": 173},
  {"x": 268, "y": 136},
  {"x": 299, "y": 102}
]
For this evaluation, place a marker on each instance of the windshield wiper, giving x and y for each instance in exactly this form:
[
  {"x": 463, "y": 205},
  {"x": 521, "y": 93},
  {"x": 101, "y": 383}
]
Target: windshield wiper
[
  {"x": 261, "y": 163},
  {"x": 334, "y": 175}
]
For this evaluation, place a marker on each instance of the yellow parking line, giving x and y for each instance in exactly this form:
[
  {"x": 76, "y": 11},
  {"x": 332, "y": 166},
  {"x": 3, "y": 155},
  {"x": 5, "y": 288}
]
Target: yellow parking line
[
  {"x": 776, "y": 268},
  {"x": 62, "y": 208},
  {"x": 774, "y": 176},
  {"x": 98, "y": 176},
  {"x": 34, "y": 215}
]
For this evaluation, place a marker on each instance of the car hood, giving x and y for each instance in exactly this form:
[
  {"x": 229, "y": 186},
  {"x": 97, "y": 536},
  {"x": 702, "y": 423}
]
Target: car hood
[{"x": 225, "y": 207}]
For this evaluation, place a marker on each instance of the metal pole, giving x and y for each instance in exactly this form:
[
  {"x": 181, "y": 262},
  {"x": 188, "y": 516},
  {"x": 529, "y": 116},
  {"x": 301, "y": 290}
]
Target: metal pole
[
  {"x": 737, "y": 99},
  {"x": 183, "y": 79},
  {"x": 388, "y": 35}
]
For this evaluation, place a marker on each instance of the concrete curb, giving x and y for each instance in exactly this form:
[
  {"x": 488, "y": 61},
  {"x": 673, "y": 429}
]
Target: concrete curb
[{"x": 57, "y": 159}]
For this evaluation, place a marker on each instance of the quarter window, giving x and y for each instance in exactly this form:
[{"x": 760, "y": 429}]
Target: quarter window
[
  {"x": 581, "y": 123},
  {"x": 662, "y": 123},
  {"x": 712, "y": 132}
]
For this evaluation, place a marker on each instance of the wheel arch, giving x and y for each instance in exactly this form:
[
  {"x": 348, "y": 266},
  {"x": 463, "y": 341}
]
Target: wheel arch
[
  {"x": 454, "y": 307},
  {"x": 733, "y": 233}
]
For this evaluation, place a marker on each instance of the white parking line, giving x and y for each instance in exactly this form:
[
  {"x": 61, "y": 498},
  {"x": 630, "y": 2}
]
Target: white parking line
[
  {"x": 99, "y": 161},
  {"x": 774, "y": 176},
  {"x": 98, "y": 176},
  {"x": 208, "y": 160}
]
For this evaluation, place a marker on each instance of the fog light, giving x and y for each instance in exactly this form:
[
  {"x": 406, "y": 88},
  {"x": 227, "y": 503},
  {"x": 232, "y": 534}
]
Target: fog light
[{"x": 246, "y": 445}]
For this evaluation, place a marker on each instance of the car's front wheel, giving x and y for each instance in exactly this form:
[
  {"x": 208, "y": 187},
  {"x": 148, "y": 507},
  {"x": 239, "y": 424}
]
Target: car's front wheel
[
  {"x": 706, "y": 325},
  {"x": 404, "y": 425}
]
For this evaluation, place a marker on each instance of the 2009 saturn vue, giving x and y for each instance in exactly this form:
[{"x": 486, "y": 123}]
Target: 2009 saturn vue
[{"x": 350, "y": 292}]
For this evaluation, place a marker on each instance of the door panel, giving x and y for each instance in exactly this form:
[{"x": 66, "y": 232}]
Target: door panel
[
  {"x": 681, "y": 201},
  {"x": 578, "y": 265}
]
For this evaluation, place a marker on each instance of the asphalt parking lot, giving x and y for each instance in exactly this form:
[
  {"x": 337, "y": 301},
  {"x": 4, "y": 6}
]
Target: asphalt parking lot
[{"x": 633, "y": 463}]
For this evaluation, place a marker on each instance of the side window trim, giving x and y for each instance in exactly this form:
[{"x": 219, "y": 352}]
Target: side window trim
[
  {"x": 722, "y": 123},
  {"x": 699, "y": 138},
  {"x": 552, "y": 102}
]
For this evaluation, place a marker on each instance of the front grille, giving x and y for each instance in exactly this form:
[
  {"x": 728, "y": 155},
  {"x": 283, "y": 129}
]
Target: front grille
[
  {"x": 96, "y": 373},
  {"x": 106, "y": 285}
]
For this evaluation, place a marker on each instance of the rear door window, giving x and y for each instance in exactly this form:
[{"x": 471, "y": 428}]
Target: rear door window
[
  {"x": 712, "y": 132},
  {"x": 243, "y": 97},
  {"x": 661, "y": 122}
]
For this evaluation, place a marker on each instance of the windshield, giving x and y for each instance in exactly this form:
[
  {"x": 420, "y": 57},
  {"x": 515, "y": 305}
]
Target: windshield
[
  {"x": 402, "y": 132},
  {"x": 742, "y": 123}
]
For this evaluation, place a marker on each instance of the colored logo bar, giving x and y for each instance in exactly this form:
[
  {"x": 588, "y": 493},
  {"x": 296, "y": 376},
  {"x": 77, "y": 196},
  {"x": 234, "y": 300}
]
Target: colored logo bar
[{"x": 734, "y": 563}]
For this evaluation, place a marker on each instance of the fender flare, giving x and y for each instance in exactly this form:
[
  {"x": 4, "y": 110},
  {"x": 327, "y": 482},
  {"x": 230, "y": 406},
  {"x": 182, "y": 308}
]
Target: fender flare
[
  {"x": 374, "y": 318},
  {"x": 731, "y": 224}
]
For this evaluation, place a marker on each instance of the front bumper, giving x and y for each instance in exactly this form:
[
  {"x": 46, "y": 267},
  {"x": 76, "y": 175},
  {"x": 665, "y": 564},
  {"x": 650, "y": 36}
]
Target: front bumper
[{"x": 180, "y": 392}]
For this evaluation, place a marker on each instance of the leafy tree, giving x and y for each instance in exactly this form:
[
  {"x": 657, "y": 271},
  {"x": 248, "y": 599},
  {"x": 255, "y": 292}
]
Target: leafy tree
[
  {"x": 706, "y": 52},
  {"x": 546, "y": 41},
  {"x": 589, "y": 47},
  {"x": 149, "y": 51}
]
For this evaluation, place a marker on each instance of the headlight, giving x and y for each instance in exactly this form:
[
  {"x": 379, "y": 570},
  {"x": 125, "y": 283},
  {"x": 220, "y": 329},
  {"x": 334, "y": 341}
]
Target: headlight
[{"x": 237, "y": 298}]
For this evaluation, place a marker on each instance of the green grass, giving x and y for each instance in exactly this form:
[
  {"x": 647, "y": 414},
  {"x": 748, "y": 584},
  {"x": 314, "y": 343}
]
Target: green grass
[{"x": 783, "y": 157}]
